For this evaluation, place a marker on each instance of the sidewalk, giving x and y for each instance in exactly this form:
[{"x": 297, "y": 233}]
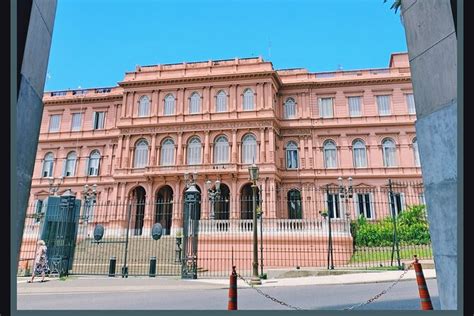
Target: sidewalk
[{"x": 102, "y": 284}]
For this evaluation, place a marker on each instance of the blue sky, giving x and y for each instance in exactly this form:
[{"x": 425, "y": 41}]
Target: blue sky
[{"x": 96, "y": 41}]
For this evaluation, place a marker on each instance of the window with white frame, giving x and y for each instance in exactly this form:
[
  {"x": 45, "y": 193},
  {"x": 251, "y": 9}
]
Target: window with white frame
[
  {"x": 396, "y": 202},
  {"x": 98, "y": 120},
  {"x": 54, "y": 122},
  {"x": 194, "y": 151},
  {"x": 70, "y": 164},
  {"x": 294, "y": 204},
  {"x": 167, "y": 153},
  {"x": 221, "y": 101},
  {"x": 383, "y": 104},
  {"x": 326, "y": 107},
  {"x": 76, "y": 121},
  {"x": 360, "y": 154},
  {"x": 291, "y": 156},
  {"x": 249, "y": 149},
  {"x": 389, "y": 150},
  {"x": 144, "y": 106},
  {"x": 195, "y": 103},
  {"x": 290, "y": 108},
  {"x": 48, "y": 165},
  {"x": 411, "y": 103},
  {"x": 92, "y": 165},
  {"x": 363, "y": 203},
  {"x": 416, "y": 153},
  {"x": 169, "y": 105},
  {"x": 248, "y": 103},
  {"x": 355, "y": 108},
  {"x": 330, "y": 154},
  {"x": 38, "y": 209},
  {"x": 221, "y": 150},
  {"x": 141, "y": 154},
  {"x": 332, "y": 205}
]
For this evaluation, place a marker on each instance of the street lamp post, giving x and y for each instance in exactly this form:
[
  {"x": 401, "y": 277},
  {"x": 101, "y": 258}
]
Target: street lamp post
[
  {"x": 345, "y": 193},
  {"x": 214, "y": 192},
  {"x": 253, "y": 171}
]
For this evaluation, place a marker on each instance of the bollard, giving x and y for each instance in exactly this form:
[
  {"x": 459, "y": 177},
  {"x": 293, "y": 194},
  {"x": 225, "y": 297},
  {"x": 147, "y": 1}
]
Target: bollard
[
  {"x": 232, "y": 305},
  {"x": 422, "y": 288},
  {"x": 152, "y": 272},
  {"x": 112, "y": 264}
]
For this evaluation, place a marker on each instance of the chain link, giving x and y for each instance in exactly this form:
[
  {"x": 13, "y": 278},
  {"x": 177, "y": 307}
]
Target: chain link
[
  {"x": 268, "y": 296},
  {"x": 381, "y": 293},
  {"x": 349, "y": 308}
]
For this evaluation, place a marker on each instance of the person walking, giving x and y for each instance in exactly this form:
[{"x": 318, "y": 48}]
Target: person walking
[{"x": 41, "y": 261}]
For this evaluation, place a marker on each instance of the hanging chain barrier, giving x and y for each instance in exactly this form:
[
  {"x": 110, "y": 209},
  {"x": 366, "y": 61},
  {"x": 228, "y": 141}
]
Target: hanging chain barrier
[{"x": 349, "y": 308}]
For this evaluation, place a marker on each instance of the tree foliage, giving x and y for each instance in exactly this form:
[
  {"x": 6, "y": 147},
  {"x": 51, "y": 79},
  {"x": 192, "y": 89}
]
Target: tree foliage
[{"x": 395, "y": 5}]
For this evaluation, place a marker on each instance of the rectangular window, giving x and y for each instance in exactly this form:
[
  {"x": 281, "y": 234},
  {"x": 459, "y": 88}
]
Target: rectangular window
[
  {"x": 364, "y": 205},
  {"x": 397, "y": 203},
  {"x": 354, "y": 106},
  {"x": 76, "y": 121},
  {"x": 292, "y": 159},
  {"x": 383, "y": 104},
  {"x": 99, "y": 118},
  {"x": 333, "y": 205},
  {"x": 38, "y": 207},
  {"x": 411, "y": 103},
  {"x": 326, "y": 108},
  {"x": 54, "y": 122}
]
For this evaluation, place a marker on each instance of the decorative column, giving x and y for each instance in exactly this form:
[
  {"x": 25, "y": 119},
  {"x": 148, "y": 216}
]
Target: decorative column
[
  {"x": 262, "y": 145},
  {"x": 234, "y": 97},
  {"x": 302, "y": 153},
  {"x": 309, "y": 142},
  {"x": 124, "y": 105},
  {"x": 271, "y": 145},
  {"x": 180, "y": 103},
  {"x": 118, "y": 159},
  {"x": 154, "y": 102},
  {"x": 206, "y": 147},
  {"x": 127, "y": 152},
  {"x": 153, "y": 150},
  {"x": 234, "y": 146},
  {"x": 268, "y": 94},
  {"x": 260, "y": 96},
  {"x": 179, "y": 154},
  {"x": 131, "y": 105}
]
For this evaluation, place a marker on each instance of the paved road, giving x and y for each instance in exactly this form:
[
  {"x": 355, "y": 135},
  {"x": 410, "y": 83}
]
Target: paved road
[{"x": 176, "y": 295}]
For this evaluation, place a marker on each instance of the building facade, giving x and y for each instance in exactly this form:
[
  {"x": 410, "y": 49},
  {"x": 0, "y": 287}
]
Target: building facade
[{"x": 214, "y": 119}]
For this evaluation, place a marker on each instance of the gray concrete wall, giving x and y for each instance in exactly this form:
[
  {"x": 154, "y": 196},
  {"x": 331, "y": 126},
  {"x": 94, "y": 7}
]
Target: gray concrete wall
[
  {"x": 432, "y": 50},
  {"x": 29, "y": 108}
]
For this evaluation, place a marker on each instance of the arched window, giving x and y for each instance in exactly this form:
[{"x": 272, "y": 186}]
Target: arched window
[
  {"x": 249, "y": 149},
  {"x": 291, "y": 156},
  {"x": 169, "y": 105},
  {"x": 360, "y": 154},
  {"x": 70, "y": 164},
  {"x": 221, "y": 101},
  {"x": 294, "y": 204},
  {"x": 389, "y": 151},
  {"x": 195, "y": 103},
  {"x": 330, "y": 151},
  {"x": 416, "y": 153},
  {"x": 194, "y": 151},
  {"x": 141, "y": 154},
  {"x": 167, "y": 153},
  {"x": 48, "y": 164},
  {"x": 290, "y": 108},
  {"x": 248, "y": 103},
  {"x": 144, "y": 106},
  {"x": 221, "y": 150},
  {"x": 92, "y": 166}
]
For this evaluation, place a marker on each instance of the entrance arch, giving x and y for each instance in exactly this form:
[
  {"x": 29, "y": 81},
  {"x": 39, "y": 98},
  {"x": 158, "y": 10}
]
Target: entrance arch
[
  {"x": 246, "y": 201},
  {"x": 138, "y": 209},
  {"x": 164, "y": 208},
  {"x": 222, "y": 205}
]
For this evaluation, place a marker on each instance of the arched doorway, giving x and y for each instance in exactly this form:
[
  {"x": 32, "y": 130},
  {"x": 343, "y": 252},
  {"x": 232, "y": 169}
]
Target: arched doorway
[
  {"x": 138, "y": 205},
  {"x": 222, "y": 204},
  {"x": 198, "y": 211},
  {"x": 164, "y": 208},
  {"x": 294, "y": 204},
  {"x": 246, "y": 201}
]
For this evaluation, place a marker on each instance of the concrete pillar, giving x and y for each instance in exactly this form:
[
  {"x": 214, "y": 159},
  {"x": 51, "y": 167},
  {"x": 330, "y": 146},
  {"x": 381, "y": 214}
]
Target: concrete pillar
[{"x": 432, "y": 50}]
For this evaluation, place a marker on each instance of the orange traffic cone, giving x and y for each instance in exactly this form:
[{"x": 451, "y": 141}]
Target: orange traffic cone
[
  {"x": 232, "y": 305},
  {"x": 422, "y": 288}
]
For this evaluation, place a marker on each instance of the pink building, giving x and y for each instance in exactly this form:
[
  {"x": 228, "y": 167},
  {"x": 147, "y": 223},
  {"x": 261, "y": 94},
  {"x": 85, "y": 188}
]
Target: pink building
[{"x": 215, "y": 118}]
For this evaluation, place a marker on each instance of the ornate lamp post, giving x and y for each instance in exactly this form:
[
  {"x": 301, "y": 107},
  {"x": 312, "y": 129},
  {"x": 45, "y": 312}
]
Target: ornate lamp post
[
  {"x": 345, "y": 192},
  {"x": 190, "y": 178},
  {"x": 253, "y": 171},
  {"x": 54, "y": 187},
  {"x": 90, "y": 197},
  {"x": 214, "y": 192}
]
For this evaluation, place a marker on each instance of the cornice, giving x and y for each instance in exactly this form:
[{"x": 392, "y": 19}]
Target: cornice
[
  {"x": 85, "y": 100},
  {"x": 344, "y": 83}
]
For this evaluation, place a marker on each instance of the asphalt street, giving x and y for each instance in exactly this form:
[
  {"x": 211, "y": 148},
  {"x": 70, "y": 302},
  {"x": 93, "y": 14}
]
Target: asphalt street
[{"x": 199, "y": 296}]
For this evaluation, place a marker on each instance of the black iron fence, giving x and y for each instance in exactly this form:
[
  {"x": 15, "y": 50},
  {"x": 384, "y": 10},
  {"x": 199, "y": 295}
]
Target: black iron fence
[{"x": 299, "y": 227}]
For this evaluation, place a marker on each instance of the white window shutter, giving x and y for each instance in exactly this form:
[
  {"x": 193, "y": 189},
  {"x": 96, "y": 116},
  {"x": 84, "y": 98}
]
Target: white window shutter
[
  {"x": 87, "y": 166},
  {"x": 64, "y": 167},
  {"x": 372, "y": 205}
]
